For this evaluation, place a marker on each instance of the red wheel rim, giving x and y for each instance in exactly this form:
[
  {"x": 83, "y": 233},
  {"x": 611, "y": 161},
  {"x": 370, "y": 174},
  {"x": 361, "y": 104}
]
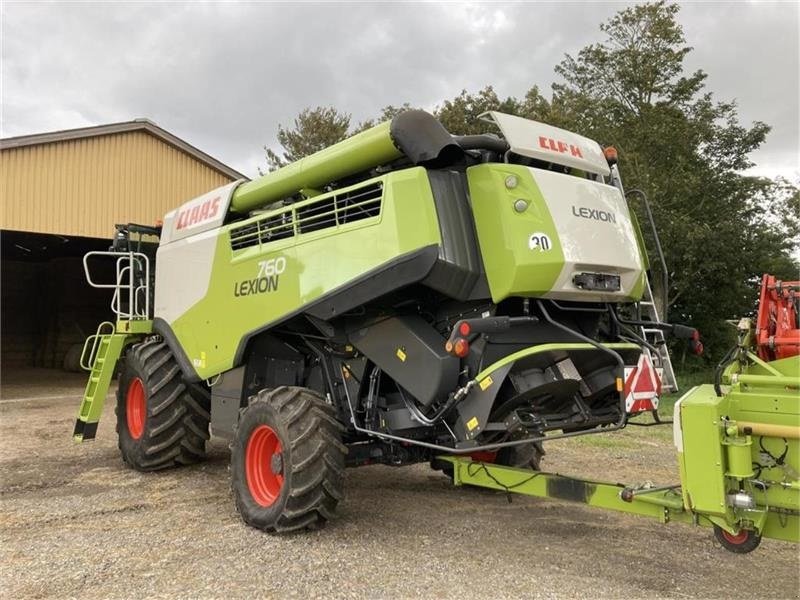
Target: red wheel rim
[
  {"x": 484, "y": 456},
  {"x": 739, "y": 538},
  {"x": 135, "y": 408},
  {"x": 263, "y": 465}
]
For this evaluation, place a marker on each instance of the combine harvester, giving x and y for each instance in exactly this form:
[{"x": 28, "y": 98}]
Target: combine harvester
[{"x": 408, "y": 296}]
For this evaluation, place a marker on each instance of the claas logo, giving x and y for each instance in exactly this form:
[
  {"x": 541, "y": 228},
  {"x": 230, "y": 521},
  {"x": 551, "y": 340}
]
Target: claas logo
[
  {"x": 559, "y": 146},
  {"x": 199, "y": 213}
]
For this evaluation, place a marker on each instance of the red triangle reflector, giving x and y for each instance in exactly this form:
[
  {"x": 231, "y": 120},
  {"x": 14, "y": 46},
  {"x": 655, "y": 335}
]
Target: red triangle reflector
[{"x": 646, "y": 382}]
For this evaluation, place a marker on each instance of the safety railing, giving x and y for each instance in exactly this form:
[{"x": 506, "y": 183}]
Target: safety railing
[
  {"x": 131, "y": 299},
  {"x": 93, "y": 344}
]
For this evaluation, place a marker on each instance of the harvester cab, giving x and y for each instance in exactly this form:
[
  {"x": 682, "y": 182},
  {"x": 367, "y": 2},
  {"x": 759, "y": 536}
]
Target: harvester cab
[{"x": 403, "y": 295}]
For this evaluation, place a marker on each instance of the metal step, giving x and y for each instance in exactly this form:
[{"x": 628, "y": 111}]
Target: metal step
[
  {"x": 109, "y": 347},
  {"x": 656, "y": 338}
]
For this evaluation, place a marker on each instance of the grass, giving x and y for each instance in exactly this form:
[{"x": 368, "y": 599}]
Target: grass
[
  {"x": 605, "y": 440},
  {"x": 686, "y": 381}
]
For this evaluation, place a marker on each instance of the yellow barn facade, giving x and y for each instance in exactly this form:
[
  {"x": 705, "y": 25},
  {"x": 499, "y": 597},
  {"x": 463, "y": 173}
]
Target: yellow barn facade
[{"x": 61, "y": 194}]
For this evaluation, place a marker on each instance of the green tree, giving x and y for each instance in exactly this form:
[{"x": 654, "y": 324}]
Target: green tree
[
  {"x": 317, "y": 128},
  {"x": 387, "y": 113},
  {"x": 313, "y": 130},
  {"x": 719, "y": 228},
  {"x": 461, "y": 115}
]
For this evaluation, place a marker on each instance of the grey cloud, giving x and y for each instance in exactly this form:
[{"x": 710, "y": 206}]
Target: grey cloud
[{"x": 223, "y": 76}]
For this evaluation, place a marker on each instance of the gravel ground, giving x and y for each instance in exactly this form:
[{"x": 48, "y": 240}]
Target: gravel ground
[{"x": 76, "y": 522}]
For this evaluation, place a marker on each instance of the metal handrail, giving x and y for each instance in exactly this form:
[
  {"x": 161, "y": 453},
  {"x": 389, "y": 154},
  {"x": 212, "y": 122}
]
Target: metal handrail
[
  {"x": 138, "y": 303},
  {"x": 659, "y": 251},
  {"x": 88, "y": 365}
]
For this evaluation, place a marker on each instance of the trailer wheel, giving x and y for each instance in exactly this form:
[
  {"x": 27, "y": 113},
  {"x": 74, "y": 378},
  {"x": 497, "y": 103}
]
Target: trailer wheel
[
  {"x": 287, "y": 460},
  {"x": 743, "y": 542},
  {"x": 159, "y": 423}
]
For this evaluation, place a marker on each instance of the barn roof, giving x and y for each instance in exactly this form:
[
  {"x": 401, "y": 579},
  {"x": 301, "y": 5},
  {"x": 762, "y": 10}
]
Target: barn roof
[{"x": 145, "y": 125}]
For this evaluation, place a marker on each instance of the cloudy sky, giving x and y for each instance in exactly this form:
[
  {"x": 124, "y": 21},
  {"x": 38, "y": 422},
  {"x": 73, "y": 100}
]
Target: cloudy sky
[{"x": 223, "y": 76}]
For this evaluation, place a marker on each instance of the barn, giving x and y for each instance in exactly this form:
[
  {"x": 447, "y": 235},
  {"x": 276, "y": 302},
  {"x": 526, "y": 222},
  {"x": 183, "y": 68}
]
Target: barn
[{"x": 62, "y": 193}]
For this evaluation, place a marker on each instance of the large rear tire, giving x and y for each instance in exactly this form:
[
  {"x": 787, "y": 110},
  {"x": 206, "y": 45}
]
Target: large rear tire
[
  {"x": 159, "y": 423},
  {"x": 287, "y": 460}
]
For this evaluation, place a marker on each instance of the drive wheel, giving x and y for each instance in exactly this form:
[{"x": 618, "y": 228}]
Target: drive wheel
[
  {"x": 525, "y": 456},
  {"x": 743, "y": 542},
  {"x": 159, "y": 423},
  {"x": 287, "y": 460}
]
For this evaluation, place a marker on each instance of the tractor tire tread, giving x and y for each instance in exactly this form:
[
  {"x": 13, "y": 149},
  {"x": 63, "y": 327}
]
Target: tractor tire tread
[
  {"x": 193, "y": 405},
  {"x": 316, "y": 458},
  {"x": 750, "y": 542},
  {"x": 176, "y": 424},
  {"x": 169, "y": 422},
  {"x": 168, "y": 401}
]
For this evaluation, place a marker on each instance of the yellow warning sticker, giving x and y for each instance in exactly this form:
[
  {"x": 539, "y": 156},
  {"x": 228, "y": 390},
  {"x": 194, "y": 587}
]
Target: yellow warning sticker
[
  {"x": 485, "y": 383},
  {"x": 401, "y": 355},
  {"x": 472, "y": 423}
]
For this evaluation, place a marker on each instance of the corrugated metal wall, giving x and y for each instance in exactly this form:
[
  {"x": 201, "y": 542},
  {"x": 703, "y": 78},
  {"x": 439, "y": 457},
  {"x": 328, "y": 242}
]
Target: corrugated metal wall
[{"x": 83, "y": 187}]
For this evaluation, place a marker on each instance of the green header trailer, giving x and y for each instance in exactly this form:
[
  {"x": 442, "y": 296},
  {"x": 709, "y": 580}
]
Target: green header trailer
[
  {"x": 738, "y": 445},
  {"x": 407, "y": 296}
]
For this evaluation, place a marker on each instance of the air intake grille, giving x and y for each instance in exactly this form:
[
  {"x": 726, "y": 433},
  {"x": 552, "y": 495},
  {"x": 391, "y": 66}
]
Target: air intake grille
[{"x": 325, "y": 212}]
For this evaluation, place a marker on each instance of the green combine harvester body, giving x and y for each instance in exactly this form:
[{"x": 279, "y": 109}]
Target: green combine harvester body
[{"x": 405, "y": 295}]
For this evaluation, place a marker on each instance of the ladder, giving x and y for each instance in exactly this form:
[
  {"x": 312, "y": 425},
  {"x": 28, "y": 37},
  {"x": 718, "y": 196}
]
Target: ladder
[
  {"x": 647, "y": 305},
  {"x": 656, "y": 338},
  {"x": 101, "y": 351},
  {"x": 104, "y": 348}
]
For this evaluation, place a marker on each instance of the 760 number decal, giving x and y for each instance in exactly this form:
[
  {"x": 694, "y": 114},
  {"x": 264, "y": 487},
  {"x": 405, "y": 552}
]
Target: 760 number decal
[{"x": 267, "y": 279}]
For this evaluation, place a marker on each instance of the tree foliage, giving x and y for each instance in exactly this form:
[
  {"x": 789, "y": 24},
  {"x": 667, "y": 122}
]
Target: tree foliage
[
  {"x": 719, "y": 228},
  {"x": 461, "y": 115},
  {"x": 317, "y": 128},
  {"x": 387, "y": 113},
  {"x": 313, "y": 130}
]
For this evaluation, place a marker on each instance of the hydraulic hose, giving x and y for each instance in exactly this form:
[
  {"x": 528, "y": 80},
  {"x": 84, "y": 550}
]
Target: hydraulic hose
[
  {"x": 496, "y": 446},
  {"x": 726, "y": 360},
  {"x": 617, "y": 358},
  {"x": 623, "y": 322}
]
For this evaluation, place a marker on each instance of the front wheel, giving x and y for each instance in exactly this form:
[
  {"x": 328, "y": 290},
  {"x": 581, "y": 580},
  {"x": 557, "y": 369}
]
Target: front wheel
[
  {"x": 743, "y": 542},
  {"x": 287, "y": 460},
  {"x": 159, "y": 423}
]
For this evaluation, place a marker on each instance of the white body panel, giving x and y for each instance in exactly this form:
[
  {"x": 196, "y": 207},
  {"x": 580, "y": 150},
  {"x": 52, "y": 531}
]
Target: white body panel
[
  {"x": 183, "y": 274},
  {"x": 595, "y": 231},
  {"x": 677, "y": 429},
  {"x": 186, "y": 253},
  {"x": 551, "y": 144},
  {"x": 198, "y": 214}
]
